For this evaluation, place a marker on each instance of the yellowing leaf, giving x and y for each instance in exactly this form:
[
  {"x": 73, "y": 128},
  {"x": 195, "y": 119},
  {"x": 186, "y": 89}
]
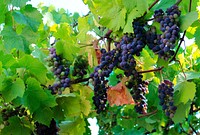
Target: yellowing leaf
[
  {"x": 119, "y": 95},
  {"x": 53, "y": 28}
]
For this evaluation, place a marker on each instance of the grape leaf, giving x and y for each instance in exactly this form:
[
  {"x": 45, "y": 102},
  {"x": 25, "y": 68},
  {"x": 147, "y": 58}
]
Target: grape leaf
[
  {"x": 188, "y": 75},
  {"x": 11, "y": 39},
  {"x": 181, "y": 112},
  {"x": 186, "y": 91},
  {"x": 85, "y": 24},
  {"x": 137, "y": 11},
  {"x": 6, "y": 59},
  {"x": 35, "y": 97},
  {"x": 147, "y": 63},
  {"x": 187, "y": 20},
  {"x": 119, "y": 95},
  {"x": 153, "y": 90},
  {"x": 197, "y": 37},
  {"x": 117, "y": 12},
  {"x": 85, "y": 106},
  {"x": 16, "y": 127},
  {"x": 72, "y": 127},
  {"x": 3, "y": 11},
  {"x": 43, "y": 115},
  {"x": 70, "y": 104},
  {"x": 12, "y": 89},
  {"x": 66, "y": 46},
  {"x": 1, "y": 69},
  {"x": 113, "y": 77},
  {"x": 162, "y": 62},
  {"x": 29, "y": 16},
  {"x": 33, "y": 66},
  {"x": 164, "y": 4},
  {"x": 29, "y": 35},
  {"x": 18, "y": 3}
]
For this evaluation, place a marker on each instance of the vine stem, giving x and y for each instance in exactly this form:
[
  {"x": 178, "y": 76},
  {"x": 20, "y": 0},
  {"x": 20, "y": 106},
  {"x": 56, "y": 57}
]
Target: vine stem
[
  {"x": 80, "y": 80},
  {"x": 148, "y": 114},
  {"x": 193, "y": 129},
  {"x": 151, "y": 70},
  {"x": 178, "y": 2},
  {"x": 182, "y": 69},
  {"x": 181, "y": 40},
  {"x": 151, "y": 6},
  {"x": 141, "y": 116}
]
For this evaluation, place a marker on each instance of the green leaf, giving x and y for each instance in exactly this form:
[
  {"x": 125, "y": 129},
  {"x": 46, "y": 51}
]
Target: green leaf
[
  {"x": 84, "y": 25},
  {"x": 187, "y": 20},
  {"x": 11, "y": 39},
  {"x": 69, "y": 104},
  {"x": 186, "y": 91},
  {"x": 35, "y": 97},
  {"x": 150, "y": 121},
  {"x": 19, "y": 3},
  {"x": 153, "y": 90},
  {"x": 164, "y": 4},
  {"x": 29, "y": 16},
  {"x": 1, "y": 69},
  {"x": 3, "y": 11},
  {"x": 6, "y": 59},
  {"x": 76, "y": 127},
  {"x": 197, "y": 37},
  {"x": 113, "y": 77},
  {"x": 190, "y": 75},
  {"x": 14, "y": 89},
  {"x": 67, "y": 50},
  {"x": 181, "y": 112},
  {"x": 147, "y": 63},
  {"x": 16, "y": 127},
  {"x": 43, "y": 115},
  {"x": 136, "y": 12},
  {"x": 34, "y": 67},
  {"x": 29, "y": 35},
  {"x": 118, "y": 19},
  {"x": 119, "y": 14},
  {"x": 162, "y": 62}
]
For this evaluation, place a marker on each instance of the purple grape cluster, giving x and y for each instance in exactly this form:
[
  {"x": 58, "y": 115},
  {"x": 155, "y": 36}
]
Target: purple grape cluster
[
  {"x": 166, "y": 92},
  {"x": 121, "y": 57},
  {"x": 80, "y": 67},
  {"x": 138, "y": 91},
  {"x": 42, "y": 129},
  {"x": 60, "y": 68},
  {"x": 9, "y": 112},
  {"x": 163, "y": 44},
  {"x": 100, "y": 75}
]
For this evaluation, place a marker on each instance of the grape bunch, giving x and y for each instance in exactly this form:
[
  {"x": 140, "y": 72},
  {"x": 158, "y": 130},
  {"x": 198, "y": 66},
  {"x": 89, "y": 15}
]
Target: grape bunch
[
  {"x": 138, "y": 89},
  {"x": 10, "y": 111},
  {"x": 100, "y": 75},
  {"x": 60, "y": 68},
  {"x": 166, "y": 92},
  {"x": 163, "y": 44},
  {"x": 80, "y": 66},
  {"x": 45, "y": 130},
  {"x": 121, "y": 57}
]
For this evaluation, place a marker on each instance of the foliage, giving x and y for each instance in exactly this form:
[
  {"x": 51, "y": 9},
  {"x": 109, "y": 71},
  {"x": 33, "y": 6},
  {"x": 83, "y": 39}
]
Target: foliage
[{"x": 26, "y": 77}]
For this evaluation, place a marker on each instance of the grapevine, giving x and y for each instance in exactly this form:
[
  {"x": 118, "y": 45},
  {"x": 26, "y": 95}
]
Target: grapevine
[{"x": 122, "y": 65}]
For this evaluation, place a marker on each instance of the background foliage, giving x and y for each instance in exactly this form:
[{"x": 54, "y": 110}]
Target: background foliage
[{"x": 25, "y": 75}]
